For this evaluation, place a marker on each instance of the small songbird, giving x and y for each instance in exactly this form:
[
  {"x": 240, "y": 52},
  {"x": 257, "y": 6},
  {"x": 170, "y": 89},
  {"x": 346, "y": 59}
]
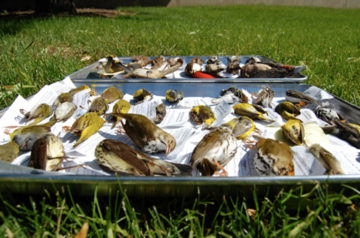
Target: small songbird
[
  {"x": 273, "y": 157},
  {"x": 264, "y": 97},
  {"x": 214, "y": 151},
  {"x": 146, "y": 135},
  {"x": 195, "y": 65},
  {"x": 160, "y": 113},
  {"x": 114, "y": 66},
  {"x": 293, "y": 130},
  {"x": 299, "y": 97},
  {"x": 38, "y": 113},
  {"x": 257, "y": 68},
  {"x": 241, "y": 127},
  {"x": 47, "y": 153},
  {"x": 253, "y": 111},
  {"x": 233, "y": 66},
  {"x": 139, "y": 62},
  {"x": 142, "y": 95},
  {"x": 9, "y": 151},
  {"x": 63, "y": 97},
  {"x": 121, "y": 106},
  {"x": 287, "y": 110},
  {"x": 202, "y": 114},
  {"x": 330, "y": 163},
  {"x": 111, "y": 94},
  {"x": 174, "y": 96},
  {"x": 99, "y": 105},
  {"x": 344, "y": 131},
  {"x": 327, "y": 114},
  {"x": 86, "y": 125},
  {"x": 214, "y": 66},
  {"x": 64, "y": 111},
  {"x": 231, "y": 95},
  {"x": 119, "y": 157},
  {"x": 26, "y": 136}
]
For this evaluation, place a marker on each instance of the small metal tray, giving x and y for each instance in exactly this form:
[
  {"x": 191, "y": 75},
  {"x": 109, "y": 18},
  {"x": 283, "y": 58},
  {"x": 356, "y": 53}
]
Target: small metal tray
[
  {"x": 24, "y": 180},
  {"x": 86, "y": 74}
]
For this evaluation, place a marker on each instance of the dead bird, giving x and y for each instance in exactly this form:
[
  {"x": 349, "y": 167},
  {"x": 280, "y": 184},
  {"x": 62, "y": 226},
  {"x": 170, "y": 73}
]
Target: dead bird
[
  {"x": 287, "y": 110},
  {"x": 231, "y": 95},
  {"x": 214, "y": 66},
  {"x": 63, "y": 97},
  {"x": 121, "y": 106},
  {"x": 344, "y": 131},
  {"x": 330, "y": 163},
  {"x": 174, "y": 96},
  {"x": 38, "y": 113},
  {"x": 160, "y": 113},
  {"x": 86, "y": 126},
  {"x": 145, "y": 134},
  {"x": 154, "y": 73},
  {"x": 233, "y": 66},
  {"x": 47, "y": 153},
  {"x": 193, "y": 66},
  {"x": 253, "y": 111},
  {"x": 99, "y": 105},
  {"x": 273, "y": 157},
  {"x": 258, "y": 68},
  {"x": 111, "y": 94},
  {"x": 202, "y": 114},
  {"x": 264, "y": 97},
  {"x": 113, "y": 65},
  {"x": 142, "y": 95},
  {"x": 139, "y": 62},
  {"x": 64, "y": 111},
  {"x": 214, "y": 151},
  {"x": 295, "y": 96},
  {"x": 293, "y": 130},
  {"x": 9, "y": 151},
  {"x": 119, "y": 157}
]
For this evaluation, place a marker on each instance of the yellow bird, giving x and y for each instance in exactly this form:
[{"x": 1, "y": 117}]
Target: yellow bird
[
  {"x": 86, "y": 125},
  {"x": 251, "y": 110},
  {"x": 241, "y": 127}
]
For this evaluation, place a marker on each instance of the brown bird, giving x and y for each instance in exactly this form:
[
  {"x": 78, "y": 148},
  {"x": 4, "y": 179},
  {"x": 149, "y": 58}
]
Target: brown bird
[
  {"x": 214, "y": 151},
  {"x": 119, "y": 157},
  {"x": 146, "y": 135},
  {"x": 47, "y": 153},
  {"x": 273, "y": 157},
  {"x": 264, "y": 97}
]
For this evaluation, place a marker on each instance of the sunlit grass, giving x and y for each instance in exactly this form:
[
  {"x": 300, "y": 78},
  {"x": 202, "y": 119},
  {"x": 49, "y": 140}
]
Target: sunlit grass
[
  {"x": 38, "y": 51},
  {"x": 288, "y": 213}
]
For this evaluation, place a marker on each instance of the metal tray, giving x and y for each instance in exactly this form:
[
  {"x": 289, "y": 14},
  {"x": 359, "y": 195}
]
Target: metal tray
[
  {"x": 83, "y": 74},
  {"x": 24, "y": 180}
]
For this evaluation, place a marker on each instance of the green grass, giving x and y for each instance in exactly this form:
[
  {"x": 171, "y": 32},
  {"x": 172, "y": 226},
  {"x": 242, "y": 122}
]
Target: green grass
[
  {"x": 291, "y": 213},
  {"x": 38, "y": 51}
]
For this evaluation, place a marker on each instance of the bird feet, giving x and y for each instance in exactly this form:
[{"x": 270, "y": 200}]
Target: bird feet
[{"x": 221, "y": 171}]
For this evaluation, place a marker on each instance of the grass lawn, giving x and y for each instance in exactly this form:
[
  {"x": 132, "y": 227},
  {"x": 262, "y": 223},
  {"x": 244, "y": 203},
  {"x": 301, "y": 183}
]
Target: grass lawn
[{"x": 38, "y": 51}]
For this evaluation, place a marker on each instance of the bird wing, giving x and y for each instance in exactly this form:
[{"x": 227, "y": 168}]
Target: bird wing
[{"x": 127, "y": 154}]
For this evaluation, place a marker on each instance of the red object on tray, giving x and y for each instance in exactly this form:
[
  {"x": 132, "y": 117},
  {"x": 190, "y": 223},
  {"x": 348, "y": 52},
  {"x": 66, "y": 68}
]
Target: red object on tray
[{"x": 201, "y": 75}]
